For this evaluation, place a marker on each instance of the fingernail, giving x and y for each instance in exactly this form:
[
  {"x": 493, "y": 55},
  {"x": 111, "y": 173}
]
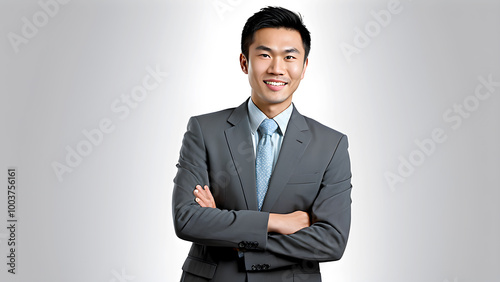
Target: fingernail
[
  {"x": 196, "y": 190},
  {"x": 197, "y": 199}
]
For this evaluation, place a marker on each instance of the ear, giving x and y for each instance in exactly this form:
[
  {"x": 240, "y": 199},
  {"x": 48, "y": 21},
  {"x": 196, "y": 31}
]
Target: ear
[
  {"x": 304, "y": 70},
  {"x": 243, "y": 63}
]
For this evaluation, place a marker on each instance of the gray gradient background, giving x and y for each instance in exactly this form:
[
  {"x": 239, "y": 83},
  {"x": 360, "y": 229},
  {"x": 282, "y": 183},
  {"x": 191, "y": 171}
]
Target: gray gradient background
[{"x": 110, "y": 218}]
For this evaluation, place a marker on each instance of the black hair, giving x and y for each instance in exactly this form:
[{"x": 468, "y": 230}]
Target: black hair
[{"x": 274, "y": 17}]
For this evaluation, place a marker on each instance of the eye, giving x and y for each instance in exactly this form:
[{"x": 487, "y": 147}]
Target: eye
[
  {"x": 289, "y": 57},
  {"x": 265, "y": 55}
]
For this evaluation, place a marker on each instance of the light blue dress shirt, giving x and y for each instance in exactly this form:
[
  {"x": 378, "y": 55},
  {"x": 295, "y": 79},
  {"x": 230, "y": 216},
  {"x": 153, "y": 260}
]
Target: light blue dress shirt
[{"x": 256, "y": 116}]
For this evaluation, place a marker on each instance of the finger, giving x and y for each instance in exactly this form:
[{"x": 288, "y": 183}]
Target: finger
[
  {"x": 208, "y": 193},
  {"x": 200, "y": 202},
  {"x": 203, "y": 197},
  {"x": 202, "y": 194},
  {"x": 198, "y": 198},
  {"x": 196, "y": 190},
  {"x": 210, "y": 197}
]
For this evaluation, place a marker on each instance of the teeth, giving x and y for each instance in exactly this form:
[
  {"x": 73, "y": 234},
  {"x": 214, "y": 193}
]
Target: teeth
[{"x": 275, "y": 83}]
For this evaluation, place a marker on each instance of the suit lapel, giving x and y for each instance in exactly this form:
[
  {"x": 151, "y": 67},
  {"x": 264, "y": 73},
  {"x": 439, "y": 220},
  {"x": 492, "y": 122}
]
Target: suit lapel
[
  {"x": 296, "y": 140},
  {"x": 240, "y": 144}
]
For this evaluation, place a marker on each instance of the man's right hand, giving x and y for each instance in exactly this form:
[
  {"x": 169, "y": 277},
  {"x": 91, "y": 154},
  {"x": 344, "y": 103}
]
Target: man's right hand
[{"x": 288, "y": 223}]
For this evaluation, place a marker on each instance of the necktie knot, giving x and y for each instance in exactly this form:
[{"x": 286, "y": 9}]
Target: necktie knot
[{"x": 268, "y": 127}]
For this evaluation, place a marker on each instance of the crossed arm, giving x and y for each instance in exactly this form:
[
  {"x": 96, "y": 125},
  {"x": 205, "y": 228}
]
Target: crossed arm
[
  {"x": 319, "y": 235},
  {"x": 278, "y": 223}
]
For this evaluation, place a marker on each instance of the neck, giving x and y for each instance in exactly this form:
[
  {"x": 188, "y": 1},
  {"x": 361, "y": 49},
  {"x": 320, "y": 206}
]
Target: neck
[{"x": 272, "y": 110}]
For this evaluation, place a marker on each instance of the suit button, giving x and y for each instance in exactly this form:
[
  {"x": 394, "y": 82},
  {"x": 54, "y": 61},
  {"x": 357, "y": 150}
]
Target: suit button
[
  {"x": 259, "y": 266},
  {"x": 254, "y": 267},
  {"x": 241, "y": 245},
  {"x": 266, "y": 266}
]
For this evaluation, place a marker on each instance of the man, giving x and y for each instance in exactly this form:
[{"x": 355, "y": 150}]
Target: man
[{"x": 262, "y": 191}]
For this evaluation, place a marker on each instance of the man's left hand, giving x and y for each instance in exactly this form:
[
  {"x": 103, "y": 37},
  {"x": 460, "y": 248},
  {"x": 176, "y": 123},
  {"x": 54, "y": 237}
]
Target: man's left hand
[{"x": 204, "y": 197}]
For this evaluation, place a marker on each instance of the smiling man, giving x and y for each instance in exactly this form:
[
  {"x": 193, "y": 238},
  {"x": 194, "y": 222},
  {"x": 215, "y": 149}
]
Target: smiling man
[
  {"x": 262, "y": 191},
  {"x": 275, "y": 66}
]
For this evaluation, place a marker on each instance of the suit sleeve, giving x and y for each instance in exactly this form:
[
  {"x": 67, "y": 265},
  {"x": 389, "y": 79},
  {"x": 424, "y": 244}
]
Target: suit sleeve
[
  {"x": 209, "y": 226},
  {"x": 326, "y": 238}
]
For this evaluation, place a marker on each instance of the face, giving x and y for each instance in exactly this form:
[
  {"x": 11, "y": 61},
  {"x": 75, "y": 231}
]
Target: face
[{"x": 275, "y": 67}]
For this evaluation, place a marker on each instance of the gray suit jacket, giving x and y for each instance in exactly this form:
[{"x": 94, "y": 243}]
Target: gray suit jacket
[{"x": 312, "y": 174}]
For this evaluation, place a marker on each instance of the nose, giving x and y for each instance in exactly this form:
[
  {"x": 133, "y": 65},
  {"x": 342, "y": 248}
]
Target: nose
[{"x": 276, "y": 67}]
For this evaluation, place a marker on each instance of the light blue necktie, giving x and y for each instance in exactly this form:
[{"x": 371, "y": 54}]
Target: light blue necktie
[{"x": 264, "y": 159}]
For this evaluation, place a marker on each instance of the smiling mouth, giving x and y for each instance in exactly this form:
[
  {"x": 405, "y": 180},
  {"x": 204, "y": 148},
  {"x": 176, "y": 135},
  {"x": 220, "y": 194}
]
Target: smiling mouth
[{"x": 275, "y": 83}]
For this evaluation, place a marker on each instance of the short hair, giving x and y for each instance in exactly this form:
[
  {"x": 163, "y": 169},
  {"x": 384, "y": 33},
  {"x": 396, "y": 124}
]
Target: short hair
[{"x": 275, "y": 17}]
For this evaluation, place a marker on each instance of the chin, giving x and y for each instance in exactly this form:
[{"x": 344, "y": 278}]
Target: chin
[
  {"x": 276, "y": 96},
  {"x": 278, "y": 100}
]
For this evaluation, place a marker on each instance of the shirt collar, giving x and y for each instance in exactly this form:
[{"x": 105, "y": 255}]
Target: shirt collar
[{"x": 256, "y": 117}]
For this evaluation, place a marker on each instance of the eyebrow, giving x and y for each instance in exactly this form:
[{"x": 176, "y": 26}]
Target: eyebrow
[{"x": 265, "y": 48}]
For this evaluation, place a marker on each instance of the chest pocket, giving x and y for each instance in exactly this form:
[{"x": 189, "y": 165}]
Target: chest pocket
[
  {"x": 300, "y": 192},
  {"x": 309, "y": 178}
]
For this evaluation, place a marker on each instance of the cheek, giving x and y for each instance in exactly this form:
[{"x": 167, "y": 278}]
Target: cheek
[
  {"x": 296, "y": 71},
  {"x": 258, "y": 66}
]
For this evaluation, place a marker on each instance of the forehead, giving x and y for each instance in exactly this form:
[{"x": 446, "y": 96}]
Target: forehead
[{"x": 278, "y": 39}]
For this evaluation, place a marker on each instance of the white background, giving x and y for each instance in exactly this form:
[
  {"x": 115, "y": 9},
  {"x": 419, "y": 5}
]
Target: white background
[{"x": 110, "y": 217}]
